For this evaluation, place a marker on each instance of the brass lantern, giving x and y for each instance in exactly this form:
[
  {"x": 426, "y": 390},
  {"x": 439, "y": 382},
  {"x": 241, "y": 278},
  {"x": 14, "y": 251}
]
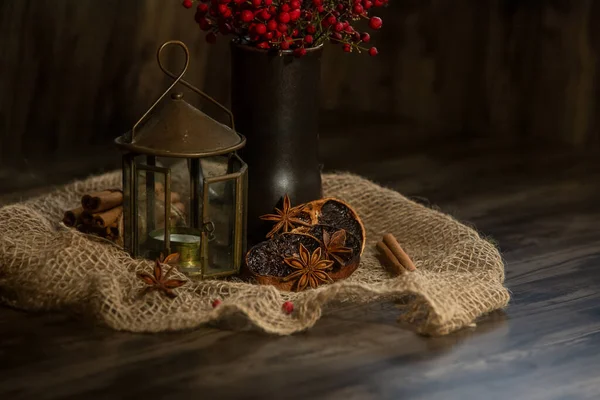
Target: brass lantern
[{"x": 184, "y": 186}]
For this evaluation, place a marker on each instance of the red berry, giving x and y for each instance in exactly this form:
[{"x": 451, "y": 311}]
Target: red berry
[
  {"x": 373, "y": 51},
  {"x": 211, "y": 37},
  {"x": 331, "y": 20},
  {"x": 269, "y": 35},
  {"x": 268, "y": 2},
  {"x": 321, "y": 9},
  {"x": 283, "y": 28},
  {"x": 273, "y": 10},
  {"x": 247, "y": 16},
  {"x": 308, "y": 39},
  {"x": 375, "y": 23},
  {"x": 311, "y": 29},
  {"x": 340, "y": 7},
  {"x": 261, "y": 29},
  {"x": 263, "y": 45},
  {"x": 272, "y": 25},
  {"x": 187, "y": 3},
  {"x": 222, "y": 8},
  {"x": 256, "y": 3},
  {"x": 295, "y": 4},
  {"x": 378, "y": 3},
  {"x": 203, "y": 8},
  {"x": 347, "y": 48},
  {"x": 295, "y": 15},
  {"x": 336, "y": 37},
  {"x": 227, "y": 13},
  {"x": 216, "y": 303},
  {"x": 365, "y": 37},
  {"x": 205, "y": 24},
  {"x": 284, "y": 17},
  {"x": 339, "y": 27},
  {"x": 358, "y": 9},
  {"x": 367, "y": 4},
  {"x": 317, "y": 3},
  {"x": 288, "y": 307},
  {"x": 277, "y": 34},
  {"x": 264, "y": 14},
  {"x": 299, "y": 52},
  {"x": 285, "y": 45}
]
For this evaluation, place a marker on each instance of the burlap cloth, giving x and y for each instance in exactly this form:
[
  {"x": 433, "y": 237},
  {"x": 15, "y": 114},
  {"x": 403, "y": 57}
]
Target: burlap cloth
[{"x": 45, "y": 266}]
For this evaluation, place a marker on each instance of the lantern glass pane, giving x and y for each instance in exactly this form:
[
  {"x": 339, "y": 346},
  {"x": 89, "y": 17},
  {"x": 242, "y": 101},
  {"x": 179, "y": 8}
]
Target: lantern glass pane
[
  {"x": 151, "y": 213},
  {"x": 220, "y": 222}
]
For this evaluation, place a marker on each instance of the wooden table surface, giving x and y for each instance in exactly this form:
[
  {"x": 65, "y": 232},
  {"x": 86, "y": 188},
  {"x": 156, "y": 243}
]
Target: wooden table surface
[{"x": 542, "y": 206}]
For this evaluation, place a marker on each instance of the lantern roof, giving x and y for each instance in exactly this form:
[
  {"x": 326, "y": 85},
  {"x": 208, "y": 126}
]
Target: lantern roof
[{"x": 175, "y": 128}]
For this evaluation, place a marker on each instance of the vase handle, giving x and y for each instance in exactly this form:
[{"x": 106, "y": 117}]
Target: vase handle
[{"x": 179, "y": 79}]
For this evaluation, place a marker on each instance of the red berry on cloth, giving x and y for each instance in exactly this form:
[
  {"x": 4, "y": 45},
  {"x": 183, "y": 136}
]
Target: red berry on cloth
[
  {"x": 288, "y": 307},
  {"x": 216, "y": 303}
]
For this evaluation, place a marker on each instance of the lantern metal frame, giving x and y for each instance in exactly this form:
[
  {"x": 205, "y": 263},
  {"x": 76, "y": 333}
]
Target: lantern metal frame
[{"x": 200, "y": 224}]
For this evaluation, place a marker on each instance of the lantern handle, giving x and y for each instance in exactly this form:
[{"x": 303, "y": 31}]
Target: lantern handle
[{"x": 179, "y": 78}]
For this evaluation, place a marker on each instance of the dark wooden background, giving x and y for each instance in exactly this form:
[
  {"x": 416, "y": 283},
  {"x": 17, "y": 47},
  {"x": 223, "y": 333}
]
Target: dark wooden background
[{"x": 75, "y": 74}]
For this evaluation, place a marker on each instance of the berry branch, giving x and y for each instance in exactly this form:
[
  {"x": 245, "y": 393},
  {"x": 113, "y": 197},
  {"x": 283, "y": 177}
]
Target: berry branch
[{"x": 293, "y": 25}]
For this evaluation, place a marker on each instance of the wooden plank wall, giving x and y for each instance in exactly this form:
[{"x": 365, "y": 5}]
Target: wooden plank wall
[{"x": 75, "y": 74}]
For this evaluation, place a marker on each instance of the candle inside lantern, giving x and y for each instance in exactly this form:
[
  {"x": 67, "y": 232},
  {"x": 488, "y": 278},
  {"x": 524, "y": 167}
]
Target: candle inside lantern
[{"x": 185, "y": 241}]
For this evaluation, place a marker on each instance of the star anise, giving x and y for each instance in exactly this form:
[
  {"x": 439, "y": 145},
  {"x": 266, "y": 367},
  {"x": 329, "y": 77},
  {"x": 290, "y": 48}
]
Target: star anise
[
  {"x": 311, "y": 269},
  {"x": 334, "y": 246},
  {"x": 160, "y": 282},
  {"x": 285, "y": 219}
]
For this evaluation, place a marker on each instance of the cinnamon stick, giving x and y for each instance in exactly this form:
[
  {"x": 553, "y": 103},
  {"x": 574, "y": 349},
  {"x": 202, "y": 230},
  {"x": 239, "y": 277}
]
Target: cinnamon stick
[
  {"x": 86, "y": 218},
  {"x": 396, "y": 249},
  {"x": 71, "y": 217},
  {"x": 390, "y": 261},
  {"x": 108, "y": 218},
  {"x": 102, "y": 201}
]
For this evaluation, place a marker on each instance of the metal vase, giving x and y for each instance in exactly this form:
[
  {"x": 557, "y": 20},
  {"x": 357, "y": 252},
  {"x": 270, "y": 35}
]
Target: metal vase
[{"x": 275, "y": 102}]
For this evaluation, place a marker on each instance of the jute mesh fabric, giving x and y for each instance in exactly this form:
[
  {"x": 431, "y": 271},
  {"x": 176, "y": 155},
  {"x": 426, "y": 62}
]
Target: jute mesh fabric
[{"x": 46, "y": 266}]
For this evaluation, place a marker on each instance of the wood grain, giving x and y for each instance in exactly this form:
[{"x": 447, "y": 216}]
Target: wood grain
[
  {"x": 77, "y": 74},
  {"x": 539, "y": 205}
]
